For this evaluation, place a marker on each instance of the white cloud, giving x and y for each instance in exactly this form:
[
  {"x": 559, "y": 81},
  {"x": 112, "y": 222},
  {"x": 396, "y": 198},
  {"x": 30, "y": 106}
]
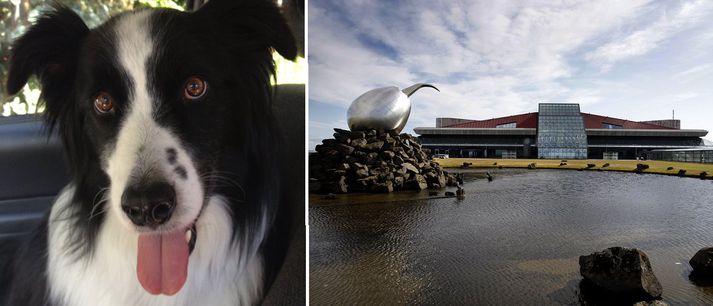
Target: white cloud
[
  {"x": 650, "y": 36},
  {"x": 494, "y": 58}
]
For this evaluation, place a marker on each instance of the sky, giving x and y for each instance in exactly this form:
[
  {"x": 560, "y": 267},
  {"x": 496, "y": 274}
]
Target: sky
[{"x": 633, "y": 59}]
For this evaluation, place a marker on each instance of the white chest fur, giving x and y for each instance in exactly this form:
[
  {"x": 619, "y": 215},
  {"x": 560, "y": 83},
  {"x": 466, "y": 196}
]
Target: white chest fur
[{"x": 219, "y": 273}]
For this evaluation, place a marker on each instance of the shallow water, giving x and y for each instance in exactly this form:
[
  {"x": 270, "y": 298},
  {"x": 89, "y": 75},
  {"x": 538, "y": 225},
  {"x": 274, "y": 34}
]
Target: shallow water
[{"x": 514, "y": 241}]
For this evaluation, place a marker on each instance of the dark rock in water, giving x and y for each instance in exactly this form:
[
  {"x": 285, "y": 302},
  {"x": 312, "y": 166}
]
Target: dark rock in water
[
  {"x": 460, "y": 191},
  {"x": 591, "y": 165},
  {"x": 435, "y": 181},
  {"x": 621, "y": 271},
  {"x": 702, "y": 262},
  {"x": 450, "y": 194},
  {"x": 669, "y": 168},
  {"x": 451, "y": 180},
  {"x": 593, "y": 295},
  {"x": 532, "y": 166},
  {"x": 605, "y": 165},
  {"x": 642, "y": 166},
  {"x": 682, "y": 172},
  {"x": 459, "y": 179},
  {"x": 340, "y": 185}
]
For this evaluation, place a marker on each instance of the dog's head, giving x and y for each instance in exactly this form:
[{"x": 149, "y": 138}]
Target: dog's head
[{"x": 153, "y": 101}]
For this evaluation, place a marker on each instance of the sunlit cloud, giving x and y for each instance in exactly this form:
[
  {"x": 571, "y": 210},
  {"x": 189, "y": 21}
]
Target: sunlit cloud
[{"x": 495, "y": 58}]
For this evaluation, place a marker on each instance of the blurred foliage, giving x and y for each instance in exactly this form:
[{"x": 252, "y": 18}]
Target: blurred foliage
[
  {"x": 17, "y": 15},
  {"x": 289, "y": 72}
]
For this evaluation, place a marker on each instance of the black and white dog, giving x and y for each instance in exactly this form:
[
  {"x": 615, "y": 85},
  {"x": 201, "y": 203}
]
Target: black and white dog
[{"x": 176, "y": 196}]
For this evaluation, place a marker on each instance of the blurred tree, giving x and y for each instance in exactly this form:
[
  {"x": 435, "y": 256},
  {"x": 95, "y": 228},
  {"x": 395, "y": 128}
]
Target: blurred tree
[{"x": 17, "y": 15}]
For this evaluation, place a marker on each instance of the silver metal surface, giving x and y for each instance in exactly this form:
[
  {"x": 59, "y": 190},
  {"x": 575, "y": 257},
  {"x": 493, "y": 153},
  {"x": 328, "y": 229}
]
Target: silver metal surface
[{"x": 382, "y": 109}]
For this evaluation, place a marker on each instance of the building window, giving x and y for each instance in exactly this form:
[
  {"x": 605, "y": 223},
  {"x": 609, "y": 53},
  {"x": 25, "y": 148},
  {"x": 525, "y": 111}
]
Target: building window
[
  {"x": 611, "y": 126},
  {"x": 510, "y": 125}
]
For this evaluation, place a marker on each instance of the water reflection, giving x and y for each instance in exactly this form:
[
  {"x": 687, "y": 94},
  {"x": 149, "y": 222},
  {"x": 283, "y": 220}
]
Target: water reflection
[{"x": 514, "y": 240}]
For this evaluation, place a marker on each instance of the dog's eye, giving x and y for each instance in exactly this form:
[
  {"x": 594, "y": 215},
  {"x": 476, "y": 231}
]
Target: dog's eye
[
  {"x": 103, "y": 102},
  {"x": 195, "y": 88}
]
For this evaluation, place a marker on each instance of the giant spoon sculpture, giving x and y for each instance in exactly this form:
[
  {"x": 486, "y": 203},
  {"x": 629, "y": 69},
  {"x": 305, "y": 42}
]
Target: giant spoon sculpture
[{"x": 382, "y": 109}]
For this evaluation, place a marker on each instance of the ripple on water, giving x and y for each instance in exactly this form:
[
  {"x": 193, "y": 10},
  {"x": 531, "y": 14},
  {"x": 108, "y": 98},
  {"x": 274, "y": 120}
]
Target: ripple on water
[{"x": 515, "y": 240}]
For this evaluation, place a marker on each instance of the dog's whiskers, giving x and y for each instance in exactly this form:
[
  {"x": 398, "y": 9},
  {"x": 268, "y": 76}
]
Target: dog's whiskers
[
  {"x": 99, "y": 212},
  {"x": 100, "y": 195},
  {"x": 220, "y": 179}
]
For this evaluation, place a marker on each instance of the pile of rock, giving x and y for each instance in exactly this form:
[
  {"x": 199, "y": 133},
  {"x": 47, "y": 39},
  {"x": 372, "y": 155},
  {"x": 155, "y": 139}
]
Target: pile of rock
[{"x": 370, "y": 161}]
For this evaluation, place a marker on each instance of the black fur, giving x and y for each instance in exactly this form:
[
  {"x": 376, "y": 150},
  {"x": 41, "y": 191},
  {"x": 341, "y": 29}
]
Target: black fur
[{"x": 230, "y": 132}]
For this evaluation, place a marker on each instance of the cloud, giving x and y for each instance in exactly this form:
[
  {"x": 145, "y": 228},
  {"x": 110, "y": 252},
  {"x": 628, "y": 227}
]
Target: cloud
[
  {"x": 650, "y": 36},
  {"x": 495, "y": 58}
]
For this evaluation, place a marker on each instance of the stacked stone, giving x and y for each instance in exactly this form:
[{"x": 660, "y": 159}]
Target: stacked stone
[{"x": 370, "y": 161}]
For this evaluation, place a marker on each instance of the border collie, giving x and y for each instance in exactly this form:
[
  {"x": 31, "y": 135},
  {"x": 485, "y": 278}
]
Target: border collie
[{"x": 176, "y": 195}]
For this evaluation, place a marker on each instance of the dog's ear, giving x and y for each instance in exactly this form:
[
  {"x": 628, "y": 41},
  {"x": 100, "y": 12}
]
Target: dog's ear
[
  {"x": 48, "y": 50},
  {"x": 257, "y": 20}
]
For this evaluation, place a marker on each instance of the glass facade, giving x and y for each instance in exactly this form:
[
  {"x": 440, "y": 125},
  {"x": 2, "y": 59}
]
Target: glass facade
[
  {"x": 560, "y": 132},
  {"x": 686, "y": 155}
]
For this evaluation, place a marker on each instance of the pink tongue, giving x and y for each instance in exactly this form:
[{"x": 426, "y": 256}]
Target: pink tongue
[{"x": 162, "y": 262}]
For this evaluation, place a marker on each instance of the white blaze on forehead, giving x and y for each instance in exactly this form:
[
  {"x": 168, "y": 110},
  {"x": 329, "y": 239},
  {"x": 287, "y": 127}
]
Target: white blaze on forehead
[
  {"x": 134, "y": 47},
  {"x": 141, "y": 142}
]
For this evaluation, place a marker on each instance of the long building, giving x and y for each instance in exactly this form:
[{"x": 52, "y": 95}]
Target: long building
[{"x": 556, "y": 131}]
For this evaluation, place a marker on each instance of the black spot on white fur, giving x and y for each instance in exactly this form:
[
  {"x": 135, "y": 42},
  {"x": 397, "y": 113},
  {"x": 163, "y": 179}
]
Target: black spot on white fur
[
  {"x": 181, "y": 171},
  {"x": 171, "y": 156}
]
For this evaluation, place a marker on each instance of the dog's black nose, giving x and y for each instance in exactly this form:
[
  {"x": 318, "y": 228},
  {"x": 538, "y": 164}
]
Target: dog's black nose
[{"x": 149, "y": 205}]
